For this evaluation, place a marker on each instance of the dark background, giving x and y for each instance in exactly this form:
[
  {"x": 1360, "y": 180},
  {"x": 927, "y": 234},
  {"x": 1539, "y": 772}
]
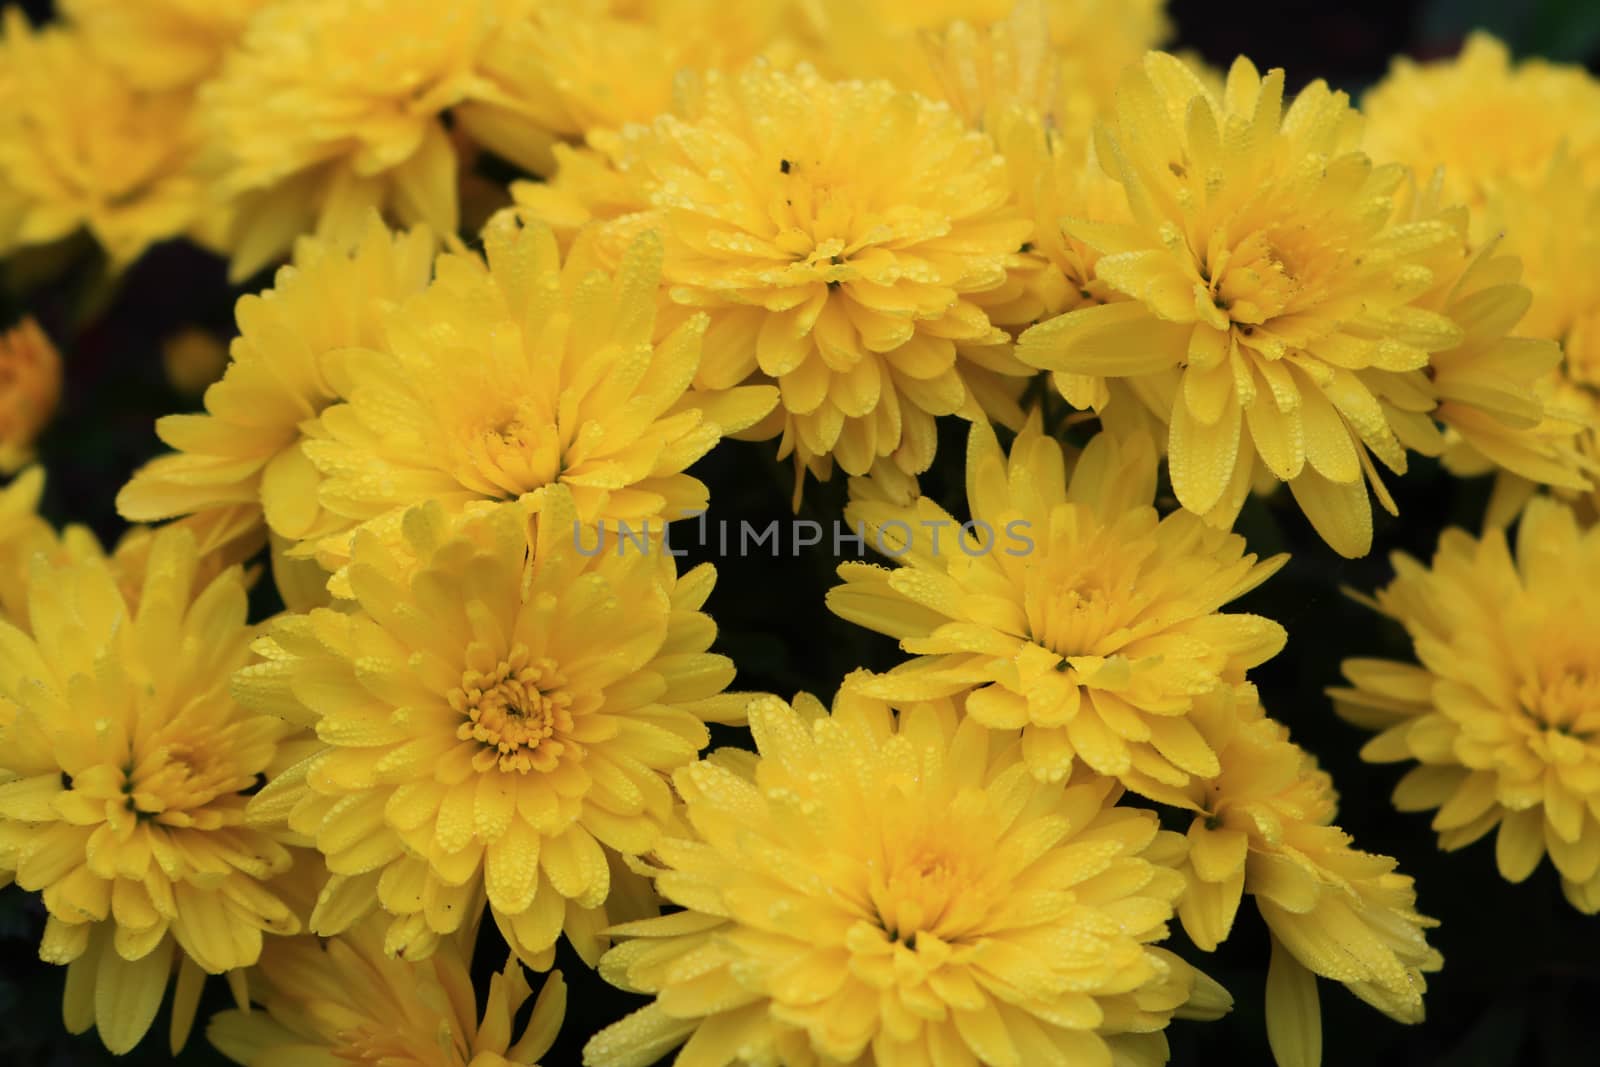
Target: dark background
[{"x": 1522, "y": 972}]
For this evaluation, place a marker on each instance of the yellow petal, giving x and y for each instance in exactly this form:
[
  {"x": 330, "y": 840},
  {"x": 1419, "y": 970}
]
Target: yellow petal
[
  {"x": 1294, "y": 1013},
  {"x": 128, "y": 993},
  {"x": 1202, "y": 456},
  {"x": 1342, "y": 514},
  {"x": 1519, "y": 846},
  {"x": 1119, "y": 340}
]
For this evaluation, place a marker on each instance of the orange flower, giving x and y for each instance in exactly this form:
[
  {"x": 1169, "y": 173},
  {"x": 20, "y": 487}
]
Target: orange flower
[{"x": 30, "y": 388}]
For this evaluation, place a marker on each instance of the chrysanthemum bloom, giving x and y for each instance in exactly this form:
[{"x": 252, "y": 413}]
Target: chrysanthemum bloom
[
  {"x": 1498, "y": 390},
  {"x": 125, "y": 764},
  {"x": 1007, "y": 81},
  {"x": 835, "y": 232},
  {"x": 1503, "y": 714},
  {"x": 81, "y": 148},
  {"x": 160, "y": 44},
  {"x": 345, "y": 1001},
  {"x": 977, "y": 70},
  {"x": 1141, "y": 20},
  {"x": 1483, "y": 119},
  {"x": 1265, "y": 257},
  {"x": 882, "y": 888},
  {"x": 244, "y": 453},
  {"x": 1061, "y": 58},
  {"x": 511, "y": 375},
  {"x": 1553, "y": 226},
  {"x": 30, "y": 388},
  {"x": 1551, "y": 222},
  {"x": 1264, "y": 826},
  {"x": 1085, "y": 619},
  {"x": 1054, "y": 175},
  {"x": 559, "y": 70},
  {"x": 1539, "y": 417},
  {"x": 1533, "y": 179},
  {"x": 328, "y": 109},
  {"x": 492, "y": 722},
  {"x": 1090, "y": 42}
]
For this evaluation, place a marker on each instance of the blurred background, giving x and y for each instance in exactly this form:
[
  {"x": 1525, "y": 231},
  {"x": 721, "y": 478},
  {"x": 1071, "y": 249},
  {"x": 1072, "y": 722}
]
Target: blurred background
[{"x": 1522, "y": 971}]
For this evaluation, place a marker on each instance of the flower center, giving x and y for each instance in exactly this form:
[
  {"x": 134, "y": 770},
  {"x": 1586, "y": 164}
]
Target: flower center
[
  {"x": 513, "y": 455},
  {"x": 816, "y": 259},
  {"x": 1085, "y": 587},
  {"x": 931, "y": 881},
  {"x": 1075, "y": 620},
  {"x": 517, "y": 712},
  {"x": 175, "y": 784},
  {"x": 1565, "y": 697},
  {"x": 1256, "y": 281}
]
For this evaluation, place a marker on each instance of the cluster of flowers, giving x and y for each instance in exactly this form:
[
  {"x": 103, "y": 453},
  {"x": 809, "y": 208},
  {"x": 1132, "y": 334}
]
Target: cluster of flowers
[{"x": 460, "y": 713}]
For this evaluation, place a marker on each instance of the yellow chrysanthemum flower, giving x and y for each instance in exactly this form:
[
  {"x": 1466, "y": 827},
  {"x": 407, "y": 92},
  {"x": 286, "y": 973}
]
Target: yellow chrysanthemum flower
[
  {"x": 1522, "y": 146},
  {"x": 1553, "y": 225},
  {"x": 1054, "y": 175},
  {"x": 517, "y": 373},
  {"x": 1037, "y": 96},
  {"x": 1131, "y": 27},
  {"x": 1540, "y": 418},
  {"x": 160, "y": 44},
  {"x": 244, "y": 452},
  {"x": 979, "y": 71},
  {"x": 1536, "y": 191},
  {"x": 561, "y": 69},
  {"x": 1551, "y": 222},
  {"x": 80, "y": 148},
  {"x": 1008, "y": 81},
  {"x": 882, "y": 888},
  {"x": 1264, "y": 826},
  {"x": 1484, "y": 120},
  {"x": 835, "y": 232},
  {"x": 1504, "y": 712},
  {"x": 30, "y": 388},
  {"x": 125, "y": 765},
  {"x": 1497, "y": 392},
  {"x": 493, "y": 723},
  {"x": 1061, "y": 58},
  {"x": 346, "y": 1001},
  {"x": 329, "y": 109},
  {"x": 1087, "y": 620},
  {"x": 1266, "y": 259}
]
